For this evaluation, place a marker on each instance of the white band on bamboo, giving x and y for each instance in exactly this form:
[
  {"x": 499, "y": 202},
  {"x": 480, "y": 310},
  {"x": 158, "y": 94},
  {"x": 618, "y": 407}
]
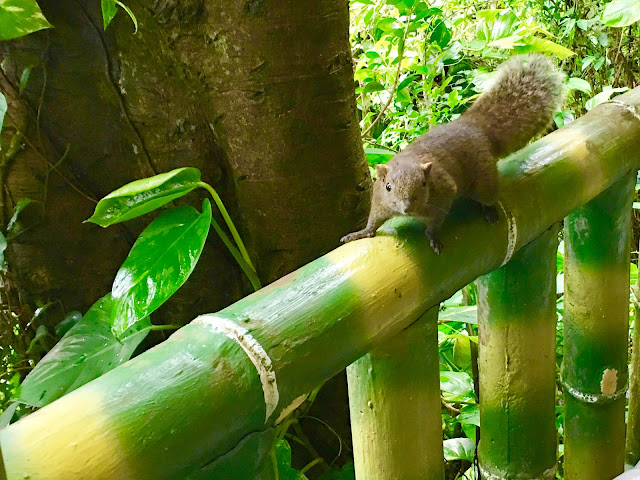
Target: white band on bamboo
[
  {"x": 629, "y": 108},
  {"x": 548, "y": 474},
  {"x": 254, "y": 351},
  {"x": 512, "y": 233},
  {"x": 592, "y": 397}
]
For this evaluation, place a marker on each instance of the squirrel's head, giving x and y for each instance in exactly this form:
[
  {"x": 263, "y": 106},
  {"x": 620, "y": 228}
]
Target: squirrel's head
[{"x": 406, "y": 186}]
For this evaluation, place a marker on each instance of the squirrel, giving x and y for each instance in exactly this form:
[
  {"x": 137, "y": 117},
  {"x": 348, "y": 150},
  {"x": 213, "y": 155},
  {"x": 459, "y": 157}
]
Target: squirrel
[{"x": 458, "y": 159}]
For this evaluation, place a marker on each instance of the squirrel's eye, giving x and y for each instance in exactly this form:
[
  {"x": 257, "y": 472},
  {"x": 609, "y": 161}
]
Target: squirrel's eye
[
  {"x": 424, "y": 184},
  {"x": 388, "y": 187}
]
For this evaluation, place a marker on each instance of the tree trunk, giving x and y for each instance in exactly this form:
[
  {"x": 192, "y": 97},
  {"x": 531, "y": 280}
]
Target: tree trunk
[{"x": 256, "y": 94}]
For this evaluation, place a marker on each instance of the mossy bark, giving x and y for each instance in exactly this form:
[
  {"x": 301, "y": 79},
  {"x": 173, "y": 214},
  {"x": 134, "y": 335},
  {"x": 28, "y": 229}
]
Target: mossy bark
[
  {"x": 394, "y": 397},
  {"x": 596, "y": 321},
  {"x": 517, "y": 333}
]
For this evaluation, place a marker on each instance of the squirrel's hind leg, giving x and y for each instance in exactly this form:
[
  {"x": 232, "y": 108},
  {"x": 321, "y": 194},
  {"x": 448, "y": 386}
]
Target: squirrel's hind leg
[{"x": 485, "y": 192}]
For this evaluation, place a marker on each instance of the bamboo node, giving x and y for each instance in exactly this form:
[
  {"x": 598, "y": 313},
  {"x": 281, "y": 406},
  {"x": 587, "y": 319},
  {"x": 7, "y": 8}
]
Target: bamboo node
[
  {"x": 548, "y": 474},
  {"x": 254, "y": 351},
  {"x": 629, "y": 108},
  {"x": 598, "y": 398}
]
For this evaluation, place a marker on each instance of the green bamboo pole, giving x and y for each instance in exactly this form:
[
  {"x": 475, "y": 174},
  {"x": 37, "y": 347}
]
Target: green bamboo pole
[
  {"x": 633, "y": 422},
  {"x": 219, "y": 384},
  {"x": 394, "y": 398},
  {"x": 517, "y": 362},
  {"x": 596, "y": 321}
]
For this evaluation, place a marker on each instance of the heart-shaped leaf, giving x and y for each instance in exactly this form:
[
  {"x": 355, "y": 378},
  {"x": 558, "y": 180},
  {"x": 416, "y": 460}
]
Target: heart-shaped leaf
[
  {"x": 459, "y": 449},
  {"x": 88, "y": 350},
  {"x": 19, "y": 18},
  {"x": 143, "y": 196},
  {"x": 160, "y": 261}
]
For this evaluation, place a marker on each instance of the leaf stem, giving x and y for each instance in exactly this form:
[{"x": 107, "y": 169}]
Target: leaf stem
[
  {"x": 228, "y": 221},
  {"x": 246, "y": 267}
]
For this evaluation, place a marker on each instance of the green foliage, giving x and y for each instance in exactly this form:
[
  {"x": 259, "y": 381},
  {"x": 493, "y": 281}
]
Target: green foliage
[
  {"x": 86, "y": 351},
  {"x": 407, "y": 82},
  {"x": 621, "y": 13},
  {"x": 160, "y": 261},
  {"x": 282, "y": 453},
  {"x": 19, "y": 18},
  {"x": 3, "y": 247},
  {"x": 143, "y": 196},
  {"x": 109, "y": 10},
  {"x": 459, "y": 449}
]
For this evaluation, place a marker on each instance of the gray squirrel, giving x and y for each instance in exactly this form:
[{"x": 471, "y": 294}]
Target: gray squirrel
[{"x": 458, "y": 159}]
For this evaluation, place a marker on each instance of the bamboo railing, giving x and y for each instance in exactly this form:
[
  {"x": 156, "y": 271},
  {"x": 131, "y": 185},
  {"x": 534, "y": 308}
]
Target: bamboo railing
[{"x": 205, "y": 403}]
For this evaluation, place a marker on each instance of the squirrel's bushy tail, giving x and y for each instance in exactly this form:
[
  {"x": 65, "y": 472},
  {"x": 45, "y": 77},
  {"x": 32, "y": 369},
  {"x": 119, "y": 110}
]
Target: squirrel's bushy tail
[{"x": 519, "y": 103}]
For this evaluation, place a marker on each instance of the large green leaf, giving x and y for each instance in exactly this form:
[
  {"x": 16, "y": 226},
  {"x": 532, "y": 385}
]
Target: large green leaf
[
  {"x": 459, "y": 449},
  {"x": 621, "y": 13},
  {"x": 493, "y": 24},
  {"x": 19, "y": 18},
  {"x": 531, "y": 43},
  {"x": 469, "y": 415},
  {"x": 160, "y": 261},
  {"x": 575, "y": 83},
  {"x": 88, "y": 350},
  {"x": 143, "y": 196}
]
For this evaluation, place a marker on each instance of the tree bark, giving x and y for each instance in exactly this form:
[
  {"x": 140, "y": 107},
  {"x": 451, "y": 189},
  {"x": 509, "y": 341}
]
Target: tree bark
[{"x": 258, "y": 94}]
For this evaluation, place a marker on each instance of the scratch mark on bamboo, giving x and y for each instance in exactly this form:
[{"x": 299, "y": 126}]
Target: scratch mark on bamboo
[{"x": 512, "y": 233}]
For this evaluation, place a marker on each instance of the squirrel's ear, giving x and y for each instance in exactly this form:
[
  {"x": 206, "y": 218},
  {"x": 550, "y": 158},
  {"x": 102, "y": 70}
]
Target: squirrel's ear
[
  {"x": 382, "y": 170},
  {"x": 426, "y": 168}
]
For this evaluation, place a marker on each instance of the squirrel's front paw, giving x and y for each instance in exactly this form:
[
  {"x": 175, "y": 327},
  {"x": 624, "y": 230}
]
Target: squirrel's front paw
[{"x": 356, "y": 236}]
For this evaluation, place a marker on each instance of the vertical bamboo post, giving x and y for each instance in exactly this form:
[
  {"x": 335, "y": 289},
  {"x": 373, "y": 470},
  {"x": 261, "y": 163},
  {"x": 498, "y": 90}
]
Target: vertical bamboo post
[
  {"x": 517, "y": 361},
  {"x": 394, "y": 398},
  {"x": 633, "y": 422},
  {"x": 596, "y": 321}
]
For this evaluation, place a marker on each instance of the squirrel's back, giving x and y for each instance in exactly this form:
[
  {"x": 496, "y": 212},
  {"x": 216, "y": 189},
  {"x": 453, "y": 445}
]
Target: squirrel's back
[{"x": 519, "y": 102}]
